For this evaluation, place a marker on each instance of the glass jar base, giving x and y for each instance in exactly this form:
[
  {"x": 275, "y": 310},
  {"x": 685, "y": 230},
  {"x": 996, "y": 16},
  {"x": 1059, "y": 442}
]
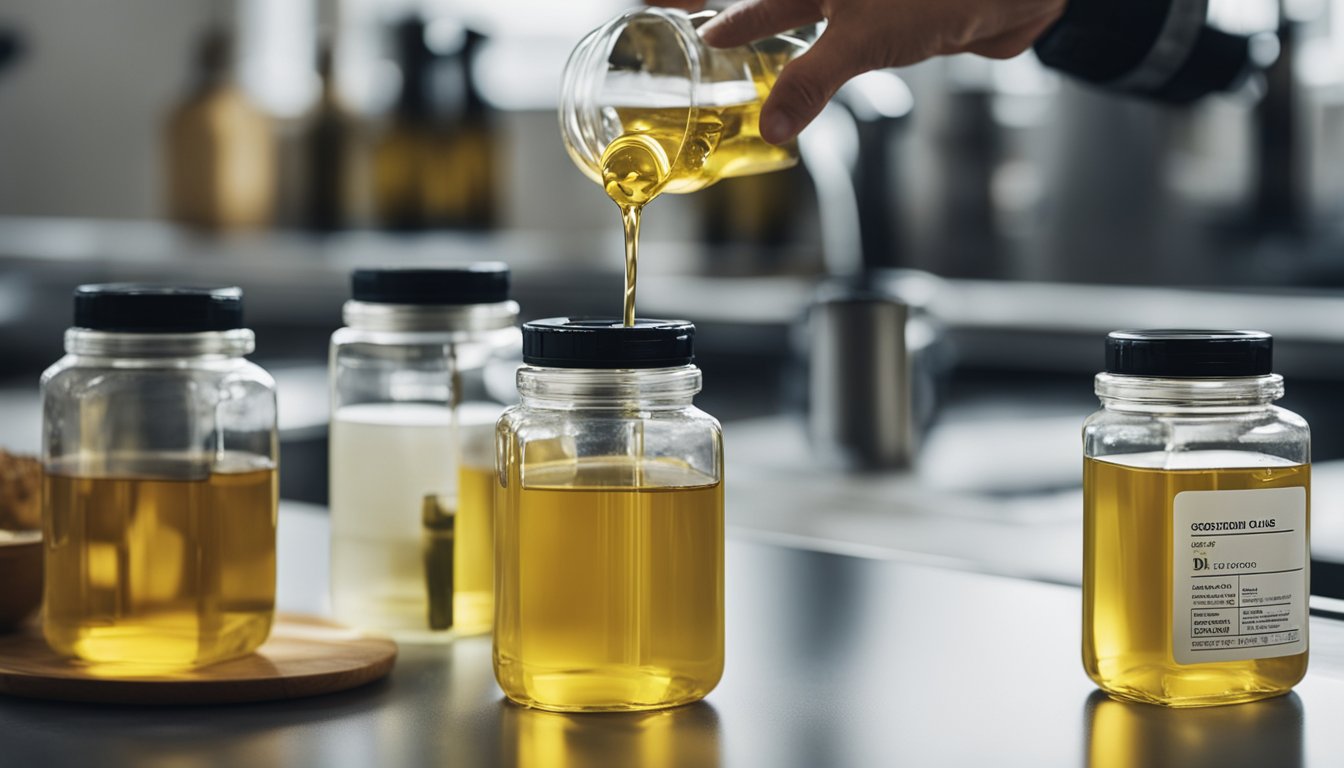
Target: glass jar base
[
  {"x": 1146, "y": 697},
  {"x": 590, "y": 691},
  {"x": 162, "y": 643},
  {"x": 400, "y": 611},
  {"x": 1201, "y": 686}
]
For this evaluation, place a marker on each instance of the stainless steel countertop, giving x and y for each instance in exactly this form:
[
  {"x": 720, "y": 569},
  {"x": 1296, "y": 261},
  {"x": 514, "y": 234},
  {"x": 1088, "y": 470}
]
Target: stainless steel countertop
[{"x": 833, "y": 660}]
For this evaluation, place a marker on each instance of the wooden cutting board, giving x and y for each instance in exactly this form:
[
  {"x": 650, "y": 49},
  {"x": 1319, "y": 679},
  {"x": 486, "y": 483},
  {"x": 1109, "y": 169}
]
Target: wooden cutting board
[{"x": 304, "y": 656}]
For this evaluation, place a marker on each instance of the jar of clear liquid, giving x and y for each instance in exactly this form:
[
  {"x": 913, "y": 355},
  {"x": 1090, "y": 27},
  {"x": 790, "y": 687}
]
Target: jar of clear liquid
[
  {"x": 680, "y": 114},
  {"x": 1196, "y": 522},
  {"x": 609, "y": 539},
  {"x": 412, "y": 448},
  {"x": 159, "y": 498}
]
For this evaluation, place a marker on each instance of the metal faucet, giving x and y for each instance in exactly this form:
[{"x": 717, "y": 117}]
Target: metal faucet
[
  {"x": 846, "y": 151},
  {"x": 870, "y": 385}
]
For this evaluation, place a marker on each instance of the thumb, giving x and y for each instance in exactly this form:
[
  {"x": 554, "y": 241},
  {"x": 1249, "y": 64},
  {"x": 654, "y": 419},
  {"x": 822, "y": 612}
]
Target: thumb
[{"x": 805, "y": 85}]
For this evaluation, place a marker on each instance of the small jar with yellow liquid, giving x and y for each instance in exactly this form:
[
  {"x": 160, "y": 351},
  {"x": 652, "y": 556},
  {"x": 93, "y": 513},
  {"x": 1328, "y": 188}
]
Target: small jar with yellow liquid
[
  {"x": 1196, "y": 522},
  {"x": 159, "y": 472},
  {"x": 609, "y": 537},
  {"x": 412, "y": 462}
]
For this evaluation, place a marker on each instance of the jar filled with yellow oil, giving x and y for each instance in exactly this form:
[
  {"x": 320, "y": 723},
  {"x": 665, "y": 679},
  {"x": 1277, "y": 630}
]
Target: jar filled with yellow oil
[
  {"x": 609, "y": 534},
  {"x": 1196, "y": 522},
  {"x": 159, "y": 470},
  {"x": 412, "y": 448}
]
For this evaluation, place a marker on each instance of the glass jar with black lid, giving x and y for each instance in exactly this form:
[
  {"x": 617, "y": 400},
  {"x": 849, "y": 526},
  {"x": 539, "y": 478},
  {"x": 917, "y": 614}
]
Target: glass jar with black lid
[
  {"x": 609, "y": 536},
  {"x": 412, "y": 464},
  {"x": 1196, "y": 522},
  {"x": 160, "y": 494}
]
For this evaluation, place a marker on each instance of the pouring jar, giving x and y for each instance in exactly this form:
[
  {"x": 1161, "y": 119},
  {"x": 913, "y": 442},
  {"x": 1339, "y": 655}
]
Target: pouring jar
[
  {"x": 696, "y": 109},
  {"x": 159, "y": 472}
]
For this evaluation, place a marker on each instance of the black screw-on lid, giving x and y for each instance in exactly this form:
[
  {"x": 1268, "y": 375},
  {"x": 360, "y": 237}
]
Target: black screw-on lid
[
  {"x": 1187, "y": 353},
  {"x": 481, "y": 283},
  {"x": 134, "y": 308},
  {"x": 576, "y": 342}
]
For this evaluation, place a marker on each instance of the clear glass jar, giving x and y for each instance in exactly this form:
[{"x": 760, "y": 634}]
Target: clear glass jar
[
  {"x": 412, "y": 448},
  {"x": 646, "y": 79},
  {"x": 609, "y": 539},
  {"x": 1196, "y": 490},
  {"x": 160, "y": 493}
]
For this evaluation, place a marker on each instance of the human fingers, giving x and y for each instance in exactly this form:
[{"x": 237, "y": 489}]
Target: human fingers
[
  {"x": 805, "y": 85},
  {"x": 750, "y": 20}
]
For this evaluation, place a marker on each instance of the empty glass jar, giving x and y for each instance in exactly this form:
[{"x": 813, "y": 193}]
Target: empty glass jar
[
  {"x": 412, "y": 448},
  {"x": 159, "y": 503},
  {"x": 609, "y": 537}
]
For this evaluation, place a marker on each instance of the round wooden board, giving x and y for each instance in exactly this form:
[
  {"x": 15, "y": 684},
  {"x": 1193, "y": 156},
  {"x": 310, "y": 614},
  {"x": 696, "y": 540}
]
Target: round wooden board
[{"x": 304, "y": 656}]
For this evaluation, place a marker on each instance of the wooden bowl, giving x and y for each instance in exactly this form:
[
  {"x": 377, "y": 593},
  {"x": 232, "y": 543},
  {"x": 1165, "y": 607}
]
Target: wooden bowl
[{"x": 20, "y": 576}]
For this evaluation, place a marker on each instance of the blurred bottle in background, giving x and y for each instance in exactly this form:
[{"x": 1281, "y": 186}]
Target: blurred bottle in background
[
  {"x": 221, "y": 157},
  {"x": 326, "y": 143},
  {"x": 459, "y": 187},
  {"x": 435, "y": 165},
  {"x": 398, "y": 158}
]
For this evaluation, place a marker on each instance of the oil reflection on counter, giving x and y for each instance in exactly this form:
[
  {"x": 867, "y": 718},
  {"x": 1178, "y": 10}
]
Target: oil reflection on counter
[
  {"x": 672, "y": 738},
  {"x": 1128, "y": 735}
]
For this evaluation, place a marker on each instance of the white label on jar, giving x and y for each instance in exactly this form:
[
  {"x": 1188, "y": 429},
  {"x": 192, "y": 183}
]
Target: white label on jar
[{"x": 1239, "y": 574}]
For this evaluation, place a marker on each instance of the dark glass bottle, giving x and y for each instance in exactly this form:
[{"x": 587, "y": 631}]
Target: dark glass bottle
[
  {"x": 435, "y": 165},
  {"x": 325, "y": 144}
]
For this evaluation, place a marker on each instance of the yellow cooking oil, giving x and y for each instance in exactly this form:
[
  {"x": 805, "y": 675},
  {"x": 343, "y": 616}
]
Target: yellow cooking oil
[
  {"x": 1128, "y": 590},
  {"x": 610, "y": 584},
  {"x": 667, "y": 149},
  {"x": 459, "y": 555},
  {"x": 160, "y": 573},
  {"x": 474, "y": 563}
]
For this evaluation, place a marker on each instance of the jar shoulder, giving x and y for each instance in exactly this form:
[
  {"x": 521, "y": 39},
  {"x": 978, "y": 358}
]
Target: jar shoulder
[
  {"x": 347, "y": 339},
  {"x": 344, "y": 337},
  {"x": 1109, "y": 418},
  {"x": 1270, "y": 430},
  {"x": 519, "y": 415},
  {"x": 74, "y": 372}
]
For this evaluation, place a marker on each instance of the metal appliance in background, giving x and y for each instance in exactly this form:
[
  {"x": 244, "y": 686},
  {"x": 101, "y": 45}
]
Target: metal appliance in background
[
  {"x": 860, "y": 409},
  {"x": 872, "y": 345},
  {"x": 875, "y": 358}
]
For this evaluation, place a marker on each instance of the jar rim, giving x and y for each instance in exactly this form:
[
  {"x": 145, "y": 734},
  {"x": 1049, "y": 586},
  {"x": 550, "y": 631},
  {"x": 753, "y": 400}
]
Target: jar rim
[
  {"x": 1115, "y": 389},
  {"x": 235, "y": 342}
]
